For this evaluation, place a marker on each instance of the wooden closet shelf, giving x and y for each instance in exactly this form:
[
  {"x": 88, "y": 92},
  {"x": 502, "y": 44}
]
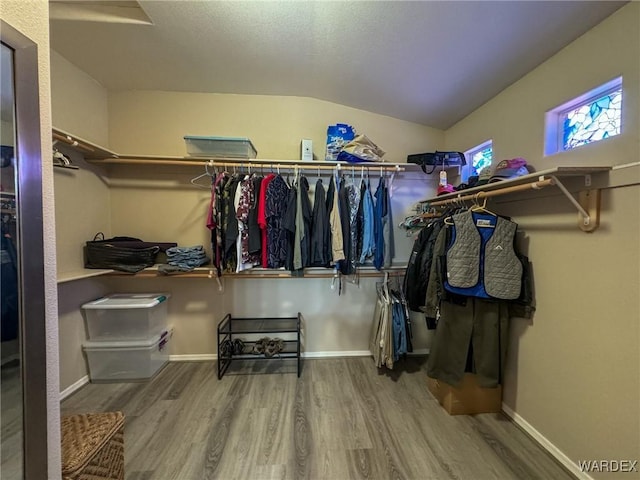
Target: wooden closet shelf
[
  {"x": 98, "y": 155},
  {"x": 251, "y": 274},
  {"x": 588, "y": 203},
  {"x": 85, "y": 147},
  {"x": 147, "y": 160},
  {"x": 81, "y": 274}
]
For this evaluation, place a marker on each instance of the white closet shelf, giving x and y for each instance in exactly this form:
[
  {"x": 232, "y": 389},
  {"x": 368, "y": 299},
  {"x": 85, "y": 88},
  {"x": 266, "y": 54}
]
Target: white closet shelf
[
  {"x": 81, "y": 274},
  {"x": 588, "y": 203}
]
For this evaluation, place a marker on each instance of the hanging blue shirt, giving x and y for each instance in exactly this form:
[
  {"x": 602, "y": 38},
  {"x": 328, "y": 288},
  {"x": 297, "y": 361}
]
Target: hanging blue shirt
[
  {"x": 368, "y": 239},
  {"x": 379, "y": 211}
]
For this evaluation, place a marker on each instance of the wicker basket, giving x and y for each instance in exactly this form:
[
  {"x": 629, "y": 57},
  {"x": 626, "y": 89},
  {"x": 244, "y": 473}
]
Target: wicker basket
[{"x": 93, "y": 446}]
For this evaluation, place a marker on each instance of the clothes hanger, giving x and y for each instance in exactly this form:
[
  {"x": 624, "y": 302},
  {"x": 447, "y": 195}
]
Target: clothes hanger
[
  {"x": 481, "y": 208},
  {"x": 206, "y": 173}
]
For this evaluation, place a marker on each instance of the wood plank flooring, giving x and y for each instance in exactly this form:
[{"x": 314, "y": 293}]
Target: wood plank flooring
[{"x": 342, "y": 419}]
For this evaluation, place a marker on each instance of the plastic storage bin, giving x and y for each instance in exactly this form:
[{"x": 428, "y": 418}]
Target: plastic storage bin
[
  {"x": 116, "y": 361},
  {"x": 126, "y": 316},
  {"x": 226, "y": 147}
]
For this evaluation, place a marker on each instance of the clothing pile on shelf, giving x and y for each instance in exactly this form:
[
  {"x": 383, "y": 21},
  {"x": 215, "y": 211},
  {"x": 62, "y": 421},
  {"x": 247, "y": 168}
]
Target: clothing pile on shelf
[
  {"x": 271, "y": 222},
  {"x": 391, "y": 335},
  {"x": 467, "y": 277},
  {"x": 184, "y": 259}
]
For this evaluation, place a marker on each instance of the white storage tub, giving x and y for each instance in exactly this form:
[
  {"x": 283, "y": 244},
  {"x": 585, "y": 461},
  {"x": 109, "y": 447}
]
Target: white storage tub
[
  {"x": 224, "y": 147},
  {"x": 126, "y": 316},
  {"x": 117, "y": 361}
]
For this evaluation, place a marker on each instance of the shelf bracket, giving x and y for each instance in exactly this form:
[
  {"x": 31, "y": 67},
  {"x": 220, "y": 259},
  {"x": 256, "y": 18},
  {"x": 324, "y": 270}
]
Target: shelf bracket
[{"x": 588, "y": 205}]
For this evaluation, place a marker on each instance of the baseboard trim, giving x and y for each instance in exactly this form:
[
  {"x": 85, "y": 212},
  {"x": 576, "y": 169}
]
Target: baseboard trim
[
  {"x": 198, "y": 357},
  {"x": 204, "y": 357},
  {"x": 337, "y": 354},
  {"x": 545, "y": 443},
  {"x": 212, "y": 356},
  {"x": 73, "y": 388}
]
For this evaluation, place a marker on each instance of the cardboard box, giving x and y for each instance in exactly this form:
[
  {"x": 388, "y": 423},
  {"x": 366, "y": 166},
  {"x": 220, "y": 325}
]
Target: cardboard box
[{"x": 468, "y": 398}]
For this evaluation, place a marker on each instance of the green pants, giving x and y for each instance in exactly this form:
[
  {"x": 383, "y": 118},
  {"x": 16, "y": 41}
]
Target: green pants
[{"x": 479, "y": 324}]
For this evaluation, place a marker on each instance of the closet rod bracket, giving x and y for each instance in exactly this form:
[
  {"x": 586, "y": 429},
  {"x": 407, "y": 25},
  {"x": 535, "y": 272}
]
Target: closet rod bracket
[{"x": 588, "y": 205}]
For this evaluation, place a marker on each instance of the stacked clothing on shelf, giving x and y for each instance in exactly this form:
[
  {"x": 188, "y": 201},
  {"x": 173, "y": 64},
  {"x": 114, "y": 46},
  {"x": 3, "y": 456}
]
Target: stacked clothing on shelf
[
  {"x": 271, "y": 222},
  {"x": 466, "y": 275},
  {"x": 185, "y": 259}
]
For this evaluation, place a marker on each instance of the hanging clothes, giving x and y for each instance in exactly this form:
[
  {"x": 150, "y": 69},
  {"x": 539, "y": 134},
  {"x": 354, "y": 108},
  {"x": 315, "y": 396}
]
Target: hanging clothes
[
  {"x": 381, "y": 342},
  {"x": 387, "y": 228},
  {"x": 345, "y": 266},
  {"x": 214, "y": 220},
  {"x": 255, "y": 234},
  {"x": 368, "y": 237},
  {"x": 276, "y": 202},
  {"x": 337, "y": 240},
  {"x": 418, "y": 270},
  {"x": 262, "y": 218},
  {"x": 243, "y": 202},
  {"x": 302, "y": 247},
  {"x": 353, "y": 195},
  {"x": 320, "y": 229},
  {"x": 289, "y": 226},
  {"x": 360, "y": 222},
  {"x": 230, "y": 224},
  {"x": 471, "y": 332},
  {"x": 380, "y": 211}
]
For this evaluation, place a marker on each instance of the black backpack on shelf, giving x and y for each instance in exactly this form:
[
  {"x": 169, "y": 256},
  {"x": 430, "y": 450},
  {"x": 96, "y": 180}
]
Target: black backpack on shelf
[{"x": 437, "y": 159}]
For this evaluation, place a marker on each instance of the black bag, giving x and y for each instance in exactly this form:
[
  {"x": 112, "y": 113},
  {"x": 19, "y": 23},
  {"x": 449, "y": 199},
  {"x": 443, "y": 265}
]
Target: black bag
[
  {"x": 436, "y": 159},
  {"x": 126, "y": 254}
]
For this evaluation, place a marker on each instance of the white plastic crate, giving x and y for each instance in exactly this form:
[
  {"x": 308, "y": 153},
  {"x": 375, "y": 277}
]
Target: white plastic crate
[
  {"x": 117, "y": 361},
  {"x": 126, "y": 316},
  {"x": 225, "y": 147}
]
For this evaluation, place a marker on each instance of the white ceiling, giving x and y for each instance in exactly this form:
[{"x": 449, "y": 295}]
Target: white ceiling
[{"x": 429, "y": 62}]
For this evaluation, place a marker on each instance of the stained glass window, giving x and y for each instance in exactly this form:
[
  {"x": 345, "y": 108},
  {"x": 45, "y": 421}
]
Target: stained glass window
[
  {"x": 596, "y": 120},
  {"x": 477, "y": 158},
  {"x": 482, "y": 158}
]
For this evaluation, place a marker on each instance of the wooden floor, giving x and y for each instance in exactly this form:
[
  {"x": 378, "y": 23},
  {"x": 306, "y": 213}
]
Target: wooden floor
[{"x": 342, "y": 419}]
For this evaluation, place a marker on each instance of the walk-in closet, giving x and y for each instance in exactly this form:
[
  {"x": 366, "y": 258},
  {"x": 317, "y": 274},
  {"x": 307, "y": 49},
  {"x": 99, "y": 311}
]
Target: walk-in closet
[{"x": 451, "y": 292}]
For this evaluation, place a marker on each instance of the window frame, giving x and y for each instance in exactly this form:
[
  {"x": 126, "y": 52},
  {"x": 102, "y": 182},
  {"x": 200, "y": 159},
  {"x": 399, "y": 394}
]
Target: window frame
[
  {"x": 465, "y": 172},
  {"x": 554, "y": 118}
]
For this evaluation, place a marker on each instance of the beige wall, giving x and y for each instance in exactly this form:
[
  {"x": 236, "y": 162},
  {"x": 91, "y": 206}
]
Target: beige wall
[
  {"x": 31, "y": 18},
  {"x": 79, "y": 103},
  {"x": 153, "y": 122},
  {"x": 160, "y": 204},
  {"x": 574, "y": 372},
  {"x": 79, "y": 106}
]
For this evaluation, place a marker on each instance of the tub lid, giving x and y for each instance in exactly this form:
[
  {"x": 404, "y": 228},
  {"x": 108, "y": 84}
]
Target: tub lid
[
  {"x": 159, "y": 339},
  {"x": 127, "y": 300}
]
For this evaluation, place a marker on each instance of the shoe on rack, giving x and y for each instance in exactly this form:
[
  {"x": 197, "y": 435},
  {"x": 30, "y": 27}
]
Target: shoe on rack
[
  {"x": 226, "y": 349},
  {"x": 238, "y": 346},
  {"x": 260, "y": 345},
  {"x": 279, "y": 344}
]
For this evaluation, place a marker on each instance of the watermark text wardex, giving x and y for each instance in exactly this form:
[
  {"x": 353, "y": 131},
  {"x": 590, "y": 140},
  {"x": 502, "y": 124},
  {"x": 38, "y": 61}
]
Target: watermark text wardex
[{"x": 622, "y": 466}]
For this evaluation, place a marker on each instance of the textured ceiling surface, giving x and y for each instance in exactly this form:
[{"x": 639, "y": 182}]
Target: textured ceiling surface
[{"x": 427, "y": 62}]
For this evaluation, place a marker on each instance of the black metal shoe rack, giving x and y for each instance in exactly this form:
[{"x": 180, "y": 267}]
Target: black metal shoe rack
[{"x": 248, "y": 330}]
